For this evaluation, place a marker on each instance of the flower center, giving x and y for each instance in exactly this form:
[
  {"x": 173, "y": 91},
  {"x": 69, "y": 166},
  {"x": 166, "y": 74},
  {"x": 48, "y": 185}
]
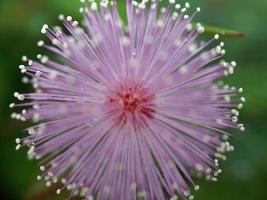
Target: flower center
[{"x": 132, "y": 101}]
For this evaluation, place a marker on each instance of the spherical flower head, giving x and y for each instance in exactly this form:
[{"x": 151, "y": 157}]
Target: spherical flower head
[{"x": 129, "y": 111}]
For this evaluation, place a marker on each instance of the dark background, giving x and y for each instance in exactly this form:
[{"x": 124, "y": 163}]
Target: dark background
[{"x": 244, "y": 174}]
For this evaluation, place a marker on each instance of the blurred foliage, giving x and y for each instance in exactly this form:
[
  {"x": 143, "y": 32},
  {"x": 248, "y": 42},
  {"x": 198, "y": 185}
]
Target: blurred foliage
[{"x": 246, "y": 171}]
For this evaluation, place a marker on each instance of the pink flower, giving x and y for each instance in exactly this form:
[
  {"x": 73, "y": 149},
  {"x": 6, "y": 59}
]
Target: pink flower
[{"x": 129, "y": 111}]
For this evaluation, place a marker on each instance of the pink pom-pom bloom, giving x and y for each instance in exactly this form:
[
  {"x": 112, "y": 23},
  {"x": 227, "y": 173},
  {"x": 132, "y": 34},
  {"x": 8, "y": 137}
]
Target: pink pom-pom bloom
[{"x": 129, "y": 111}]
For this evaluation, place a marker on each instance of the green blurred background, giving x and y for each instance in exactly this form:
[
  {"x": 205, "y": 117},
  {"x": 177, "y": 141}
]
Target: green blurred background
[{"x": 245, "y": 173}]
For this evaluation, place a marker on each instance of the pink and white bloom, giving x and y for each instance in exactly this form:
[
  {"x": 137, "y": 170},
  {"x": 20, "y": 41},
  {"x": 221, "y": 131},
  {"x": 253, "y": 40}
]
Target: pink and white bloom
[{"x": 129, "y": 111}]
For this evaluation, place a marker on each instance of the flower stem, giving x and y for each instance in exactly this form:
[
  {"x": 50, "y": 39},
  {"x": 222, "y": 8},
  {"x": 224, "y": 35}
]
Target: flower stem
[{"x": 211, "y": 30}]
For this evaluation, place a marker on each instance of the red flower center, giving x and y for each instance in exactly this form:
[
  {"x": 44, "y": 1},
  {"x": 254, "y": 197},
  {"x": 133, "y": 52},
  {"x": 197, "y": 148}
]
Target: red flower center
[{"x": 133, "y": 101}]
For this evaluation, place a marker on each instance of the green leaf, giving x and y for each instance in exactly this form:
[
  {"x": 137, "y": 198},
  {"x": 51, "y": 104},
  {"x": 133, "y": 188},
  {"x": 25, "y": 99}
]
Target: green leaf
[{"x": 212, "y": 30}]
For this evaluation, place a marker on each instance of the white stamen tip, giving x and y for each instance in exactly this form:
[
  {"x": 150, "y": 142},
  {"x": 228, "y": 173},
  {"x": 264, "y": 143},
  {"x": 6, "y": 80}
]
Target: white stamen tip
[
  {"x": 18, "y": 147},
  {"x": 44, "y": 29},
  {"x": 42, "y": 168},
  {"x": 196, "y": 187},
  {"x": 217, "y": 36},
  {"x": 12, "y": 105},
  {"x": 61, "y": 17},
  {"x": 187, "y": 5},
  {"x": 69, "y": 18},
  {"x": 94, "y": 6},
  {"x": 17, "y": 140},
  {"x": 40, "y": 43}
]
